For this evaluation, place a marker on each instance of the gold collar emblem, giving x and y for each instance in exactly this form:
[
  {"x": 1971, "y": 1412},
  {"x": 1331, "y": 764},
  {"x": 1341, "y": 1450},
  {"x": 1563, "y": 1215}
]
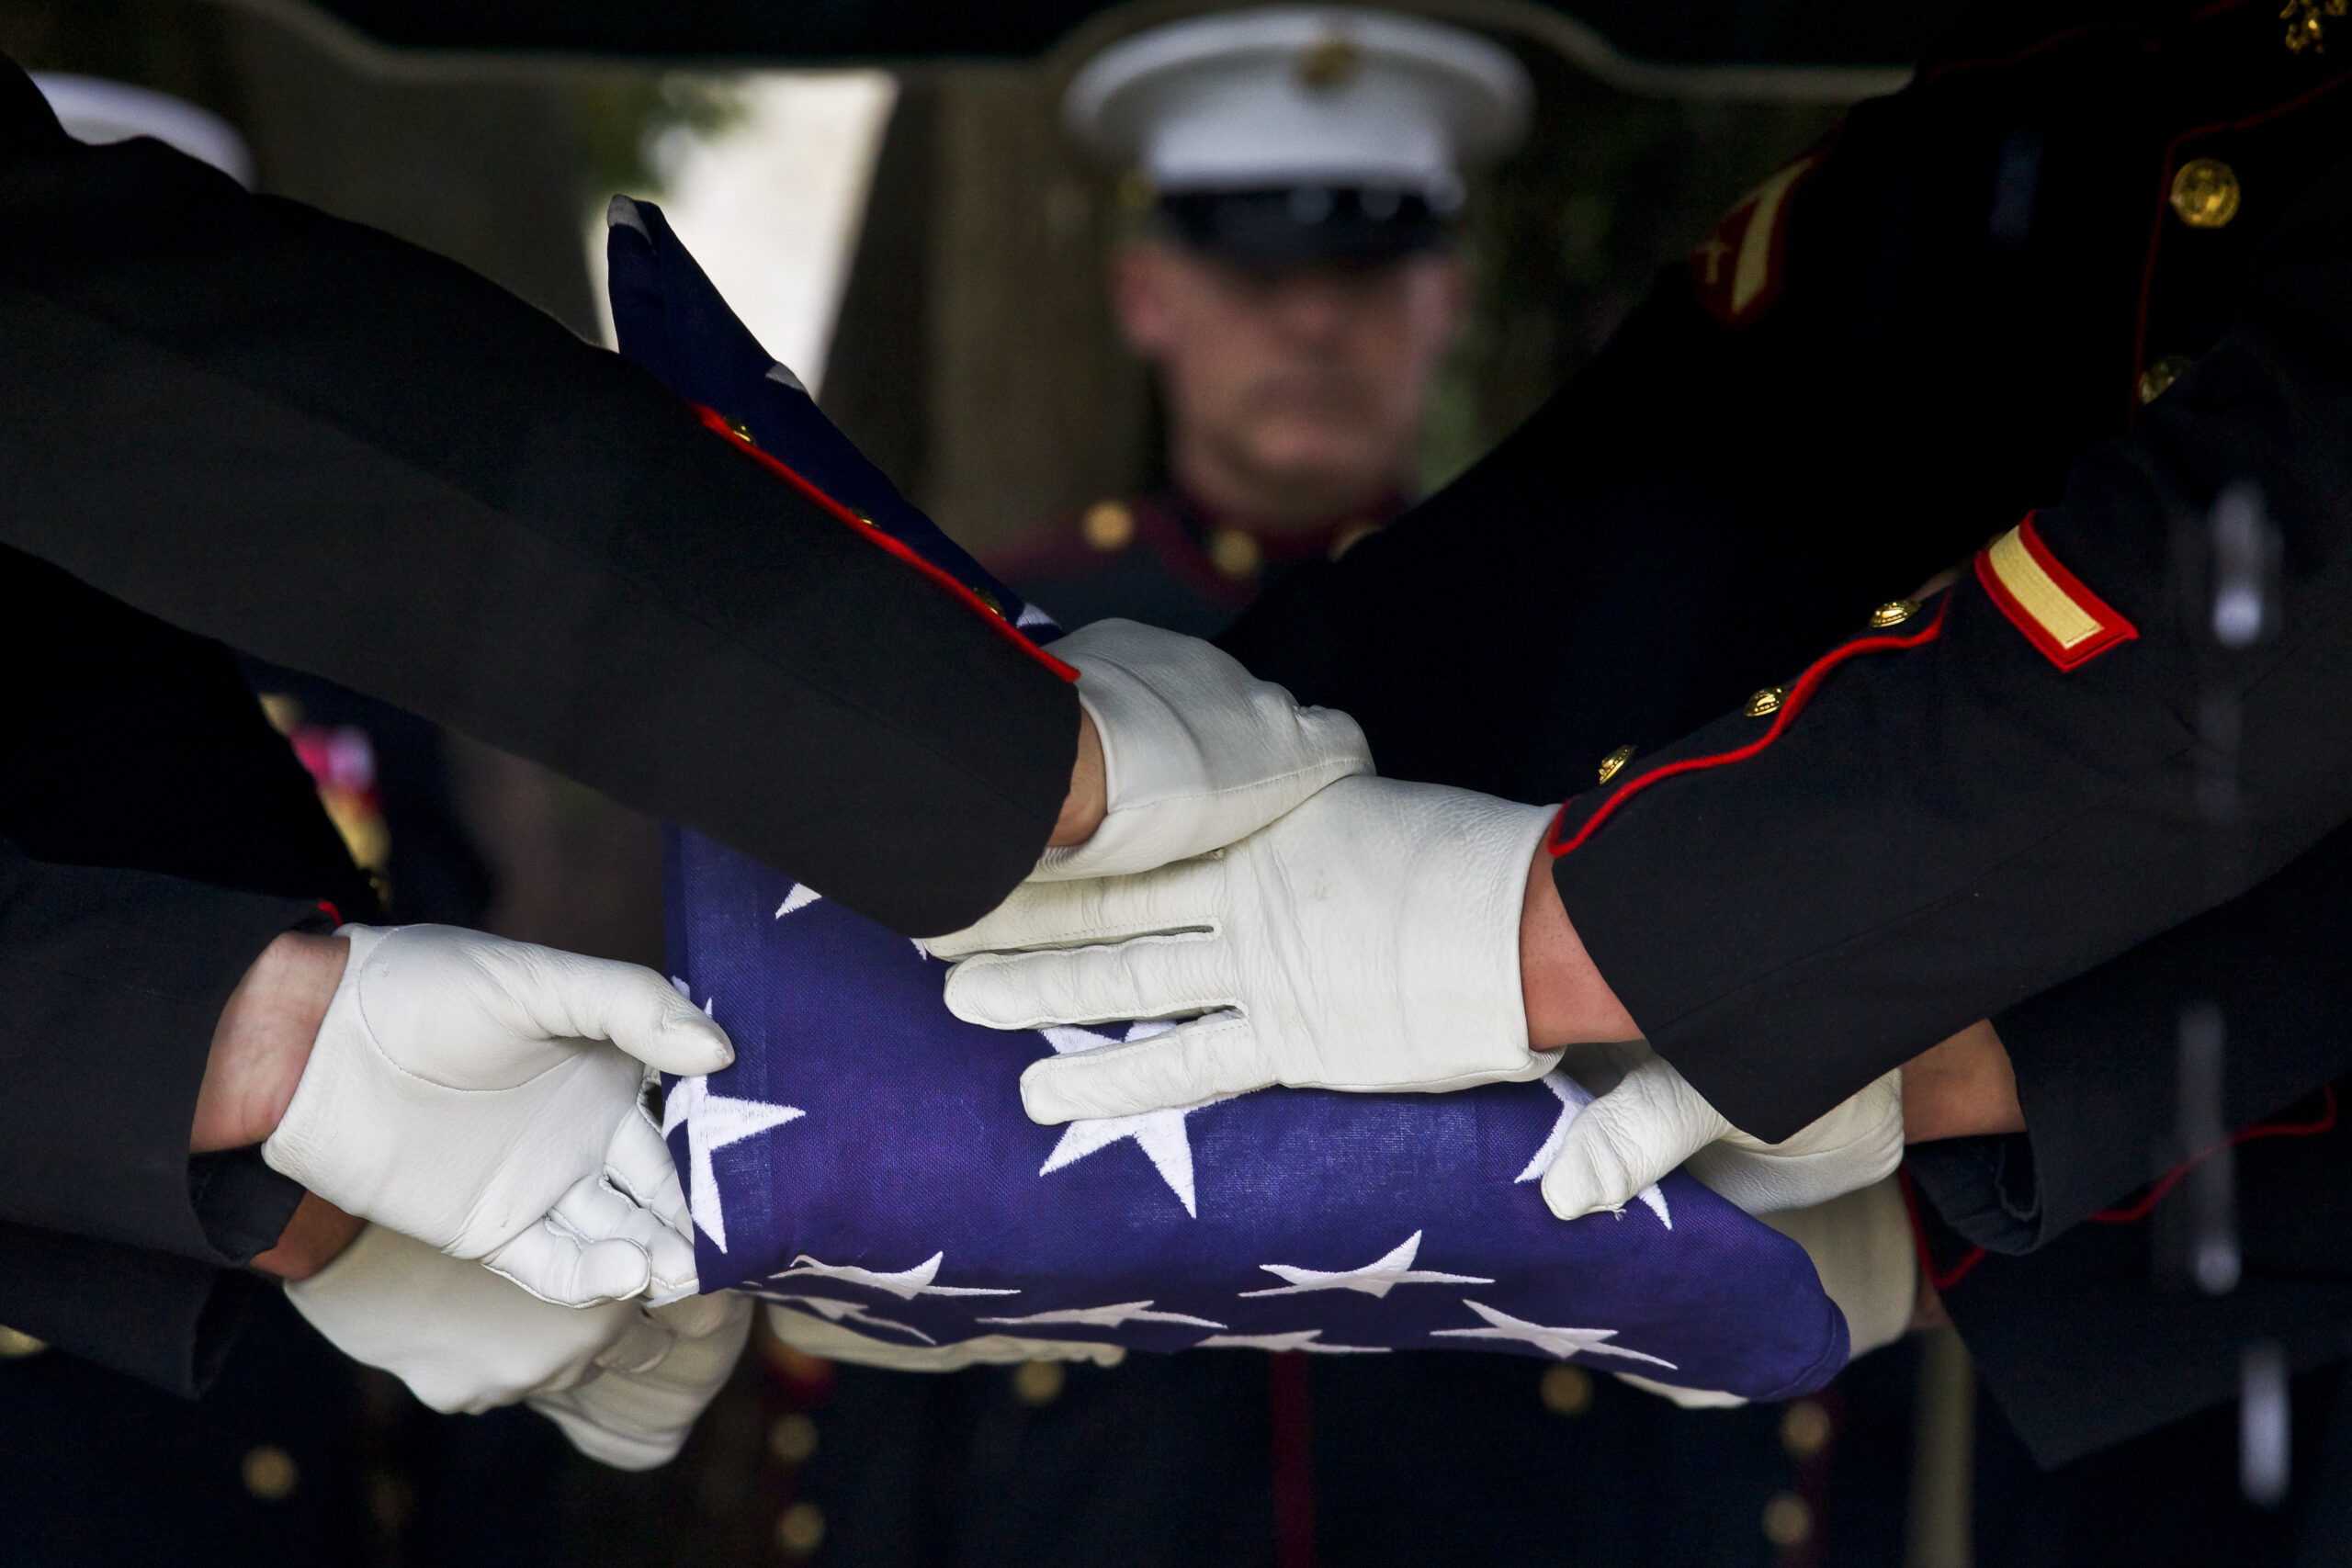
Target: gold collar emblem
[{"x": 2307, "y": 23}]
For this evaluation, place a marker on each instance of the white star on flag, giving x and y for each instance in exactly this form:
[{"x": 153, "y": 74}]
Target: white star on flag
[
  {"x": 832, "y": 1311},
  {"x": 906, "y": 1284},
  {"x": 1303, "y": 1340},
  {"x": 1107, "y": 1317},
  {"x": 713, "y": 1121},
  {"x": 1560, "y": 1343},
  {"x": 1377, "y": 1277},
  {"x": 1573, "y": 1100},
  {"x": 802, "y": 896},
  {"x": 1158, "y": 1134}
]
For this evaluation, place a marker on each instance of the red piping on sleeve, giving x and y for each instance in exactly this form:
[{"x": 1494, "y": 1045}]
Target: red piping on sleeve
[
  {"x": 2126, "y": 1213},
  {"x": 1799, "y": 694},
  {"x": 971, "y": 600},
  {"x": 326, "y": 907},
  {"x": 1938, "y": 1278}
]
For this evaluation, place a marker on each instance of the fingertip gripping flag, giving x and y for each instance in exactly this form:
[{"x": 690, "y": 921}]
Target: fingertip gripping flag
[{"x": 867, "y": 1160}]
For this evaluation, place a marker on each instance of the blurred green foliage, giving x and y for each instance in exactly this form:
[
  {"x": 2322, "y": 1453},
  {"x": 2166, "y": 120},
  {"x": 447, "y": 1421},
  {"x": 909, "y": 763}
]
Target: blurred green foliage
[
  {"x": 1563, "y": 239},
  {"x": 621, "y": 117}
]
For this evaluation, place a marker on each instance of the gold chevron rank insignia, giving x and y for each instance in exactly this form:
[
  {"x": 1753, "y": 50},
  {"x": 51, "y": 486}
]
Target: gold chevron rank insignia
[
  {"x": 1736, "y": 270},
  {"x": 2065, "y": 620}
]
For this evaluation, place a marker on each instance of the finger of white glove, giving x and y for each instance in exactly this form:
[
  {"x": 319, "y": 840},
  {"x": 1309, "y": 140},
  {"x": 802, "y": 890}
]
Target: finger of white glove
[
  {"x": 637, "y": 1009},
  {"x": 637, "y": 1162},
  {"x": 1150, "y": 977},
  {"x": 556, "y": 1263},
  {"x": 1197, "y": 753},
  {"x": 595, "y": 1212},
  {"x": 1188, "y": 895},
  {"x": 462, "y": 1338},
  {"x": 698, "y": 1317},
  {"x": 1209, "y": 1059},
  {"x": 639, "y": 1347},
  {"x": 1627, "y": 1139}
]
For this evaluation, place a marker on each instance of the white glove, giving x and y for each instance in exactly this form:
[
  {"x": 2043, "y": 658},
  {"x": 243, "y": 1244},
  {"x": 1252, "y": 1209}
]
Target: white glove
[
  {"x": 839, "y": 1342},
  {"x": 1196, "y": 751},
  {"x": 636, "y": 1418},
  {"x": 1653, "y": 1120},
  {"x": 1368, "y": 941},
  {"x": 459, "y": 1091},
  {"x": 624, "y": 1384}
]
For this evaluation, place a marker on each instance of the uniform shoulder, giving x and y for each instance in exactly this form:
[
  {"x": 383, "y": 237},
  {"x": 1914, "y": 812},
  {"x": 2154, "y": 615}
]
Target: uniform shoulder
[{"x": 2005, "y": 31}]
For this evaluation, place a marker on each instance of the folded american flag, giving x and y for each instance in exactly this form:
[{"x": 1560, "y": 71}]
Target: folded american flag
[{"x": 867, "y": 1160}]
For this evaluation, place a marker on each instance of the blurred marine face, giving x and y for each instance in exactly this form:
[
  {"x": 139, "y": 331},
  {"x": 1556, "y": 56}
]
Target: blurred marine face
[{"x": 1295, "y": 397}]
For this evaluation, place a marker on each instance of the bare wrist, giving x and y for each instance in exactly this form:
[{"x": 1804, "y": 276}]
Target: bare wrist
[
  {"x": 1964, "y": 1087},
  {"x": 314, "y": 1238},
  {"x": 1567, "y": 1001},
  {"x": 263, "y": 1040},
  {"x": 1088, "y": 797}
]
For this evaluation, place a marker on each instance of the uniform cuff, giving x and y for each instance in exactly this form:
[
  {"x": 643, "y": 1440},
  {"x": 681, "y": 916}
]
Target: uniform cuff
[{"x": 1987, "y": 1189}]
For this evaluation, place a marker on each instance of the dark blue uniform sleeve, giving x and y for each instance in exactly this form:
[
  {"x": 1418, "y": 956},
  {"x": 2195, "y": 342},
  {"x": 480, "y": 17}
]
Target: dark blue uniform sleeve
[
  {"x": 1944, "y": 817},
  {"x": 336, "y": 452},
  {"x": 112, "y": 983}
]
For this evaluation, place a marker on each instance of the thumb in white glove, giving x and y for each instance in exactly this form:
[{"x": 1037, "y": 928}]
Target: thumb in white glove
[
  {"x": 1196, "y": 751},
  {"x": 475, "y": 1093},
  {"x": 1368, "y": 941},
  {"x": 1653, "y": 1120}
]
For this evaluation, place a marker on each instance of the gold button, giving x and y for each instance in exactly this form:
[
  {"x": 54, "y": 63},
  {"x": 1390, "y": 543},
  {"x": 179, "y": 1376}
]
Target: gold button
[
  {"x": 742, "y": 432},
  {"x": 1804, "y": 1429},
  {"x": 1787, "y": 1520},
  {"x": 1235, "y": 553},
  {"x": 2205, "y": 193},
  {"x": 1566, "y": 1390},
  {"x": 792, "y": 1439},
  {"x": 2159, "y": 377},
  {"x": 1611, "y": 766},
  {"x": 1893, "y": 613},
  {"x": 995, "y": 605},
  {"x": 1108, "y": 525},
  {"x": 270, "y": 1473},
  {"x": 1766, "y": 702},
  {"x": 16, "y": 1345},
  {"x": 800, "y": 1529},
  {"x": 1038, "y": 1382}
]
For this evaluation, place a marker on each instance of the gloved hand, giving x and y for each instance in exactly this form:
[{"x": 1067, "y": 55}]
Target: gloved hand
[
  {"x": 1653, "y": 1120},
  {"x": 1196, "y": 751},
  {"x": 638, "y": 1418},
  {"x": 622, "y": 1382},
  {"x": 1367, "y": 941},
  {"x": 461, "y": 1090},
  {"x": 840, "y": 1342}
]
